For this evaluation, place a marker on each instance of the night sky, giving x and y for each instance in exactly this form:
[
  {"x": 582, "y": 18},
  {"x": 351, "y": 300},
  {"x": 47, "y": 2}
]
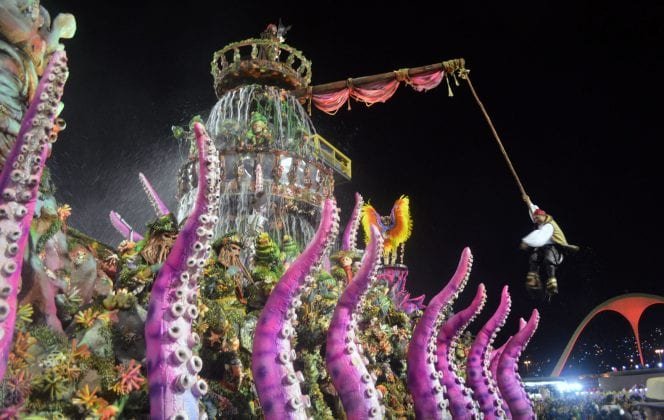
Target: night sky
[{"x": 574, "y": 91}]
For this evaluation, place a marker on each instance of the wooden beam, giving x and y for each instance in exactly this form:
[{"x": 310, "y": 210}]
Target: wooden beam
[{"x": 449, "y": 67}]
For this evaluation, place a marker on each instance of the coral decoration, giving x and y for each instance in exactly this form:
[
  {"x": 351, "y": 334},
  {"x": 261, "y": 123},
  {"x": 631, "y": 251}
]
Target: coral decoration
[
  {"x": 129, "y": 378},
  {"x": 64, "y": 212},
  {"x": 89, "y": 400}
]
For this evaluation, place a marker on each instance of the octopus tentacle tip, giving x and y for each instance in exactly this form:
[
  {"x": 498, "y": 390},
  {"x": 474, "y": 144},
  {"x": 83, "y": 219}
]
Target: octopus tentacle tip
[
  {"x": 170, "y": 360},
  {"x": 273, "y": 354},
  {"x": 342, "y": 348},
  {"x": 199, "y": 129},
  {"x": 509, "y": 381}
]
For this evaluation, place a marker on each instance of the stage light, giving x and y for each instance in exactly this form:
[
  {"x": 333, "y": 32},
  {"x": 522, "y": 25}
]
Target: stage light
[{"x": 568, "y": 386}]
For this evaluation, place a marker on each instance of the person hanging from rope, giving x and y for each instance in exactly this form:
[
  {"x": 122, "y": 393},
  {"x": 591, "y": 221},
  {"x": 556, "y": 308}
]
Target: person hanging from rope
[{"x": 547, "y": 244}]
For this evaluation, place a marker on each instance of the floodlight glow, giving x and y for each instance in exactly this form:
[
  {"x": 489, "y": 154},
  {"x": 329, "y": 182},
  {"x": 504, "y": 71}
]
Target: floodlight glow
[{"x": 568, "y": 386}]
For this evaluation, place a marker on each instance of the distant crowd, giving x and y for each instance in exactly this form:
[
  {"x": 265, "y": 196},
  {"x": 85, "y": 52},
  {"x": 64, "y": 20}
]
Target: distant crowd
[{"x": 599, "y": 405}]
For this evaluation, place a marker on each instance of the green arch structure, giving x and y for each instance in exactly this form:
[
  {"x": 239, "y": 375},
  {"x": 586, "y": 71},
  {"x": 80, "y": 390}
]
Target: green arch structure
[{"x": 631, "y": 306}]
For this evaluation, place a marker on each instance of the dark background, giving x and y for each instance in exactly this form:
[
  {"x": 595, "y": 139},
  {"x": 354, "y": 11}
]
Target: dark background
[{"x": 573, "y": 89}]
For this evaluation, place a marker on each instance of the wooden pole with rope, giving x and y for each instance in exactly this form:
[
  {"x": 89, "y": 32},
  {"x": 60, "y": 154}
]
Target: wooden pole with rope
[
  {"x": 464, "y": 74},
  {"x": 532, "y": 282}
]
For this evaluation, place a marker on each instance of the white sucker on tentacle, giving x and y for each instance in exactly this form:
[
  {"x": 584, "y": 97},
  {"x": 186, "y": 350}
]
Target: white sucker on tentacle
[
  {"x": 349, "y": 238},
  {"x": 157, "y": 203}
]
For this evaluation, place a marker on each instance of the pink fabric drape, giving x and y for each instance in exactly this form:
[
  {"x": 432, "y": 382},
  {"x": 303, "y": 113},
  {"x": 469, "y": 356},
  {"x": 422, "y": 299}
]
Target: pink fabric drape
[
  {"x": 374, "y": 92},
  {"x": 331, "y": 102},
  {"x": 370, "y": 93},
  {"x": 426, "y": 81}
]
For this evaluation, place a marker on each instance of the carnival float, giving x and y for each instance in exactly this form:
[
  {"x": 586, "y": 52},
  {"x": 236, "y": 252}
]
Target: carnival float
[{"x": 246, "y": 301}]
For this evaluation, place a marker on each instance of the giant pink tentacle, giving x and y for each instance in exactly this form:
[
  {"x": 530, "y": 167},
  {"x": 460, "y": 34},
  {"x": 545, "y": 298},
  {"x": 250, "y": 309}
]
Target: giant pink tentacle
[
  {"x": 123, "y": 227},
  {"x": 349, "y": 238},
  {"x": 495, "y": 358},
  {"x": 509, "y": 381},
  {"x": 461, "y": 404},
  {"x": 19, "y": 185},
  {"x": 423, "y": 377},
  {"x": 344, "y": 360},
  {"x": 277, "y": 383},
  {"x": 496, "y": 353},
  {"x": 172, "y": 369},
  {"x": 158, "y": 205},
  {"x": 480, "y": 379}
]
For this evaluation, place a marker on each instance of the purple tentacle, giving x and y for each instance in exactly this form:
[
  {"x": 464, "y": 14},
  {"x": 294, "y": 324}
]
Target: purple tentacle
[
  {"x": 480, "y": 378},
  {"x": 509, "y": 380},
  {"x": 461, "y": 404},
  {"x": 19, "y": 185},
  {"x": 495, "y": 358},
  {"x": 124, "y": 228},
  {"x": 344, "y": 360},
  {"x": 174, "y": 385},
  {"x": 423, "y": 377},
  {"x": 158, "y": 205},
  {"x": 496, "y": 353},
  {"x": 349, "y": 238},
  {"x": 277, "y": 383}
]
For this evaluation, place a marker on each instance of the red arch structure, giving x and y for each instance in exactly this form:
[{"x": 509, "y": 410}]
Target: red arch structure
[{"x": 631, "y": 306}]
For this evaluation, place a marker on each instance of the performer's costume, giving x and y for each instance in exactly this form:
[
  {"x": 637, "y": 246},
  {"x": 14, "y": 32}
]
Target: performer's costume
[{"x": 548, "y": 244}]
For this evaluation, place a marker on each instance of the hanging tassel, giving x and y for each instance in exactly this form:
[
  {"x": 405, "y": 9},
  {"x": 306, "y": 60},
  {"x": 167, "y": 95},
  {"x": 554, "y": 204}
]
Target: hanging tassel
[
  {"x": 349, "y": 84},
  {"x": 449, "y": 88}
]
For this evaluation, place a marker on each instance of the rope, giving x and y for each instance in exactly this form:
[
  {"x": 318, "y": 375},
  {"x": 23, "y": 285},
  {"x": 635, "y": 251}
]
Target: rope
[
  {"x": 464, "y": 75},
  {"x": 310, "y": 96}
]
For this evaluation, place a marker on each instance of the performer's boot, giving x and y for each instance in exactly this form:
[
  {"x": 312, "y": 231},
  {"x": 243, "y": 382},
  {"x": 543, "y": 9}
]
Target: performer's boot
[
  {"x": 552, "y": 286},
  {"x": 533, "y": 284}
]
